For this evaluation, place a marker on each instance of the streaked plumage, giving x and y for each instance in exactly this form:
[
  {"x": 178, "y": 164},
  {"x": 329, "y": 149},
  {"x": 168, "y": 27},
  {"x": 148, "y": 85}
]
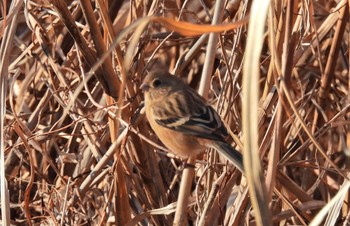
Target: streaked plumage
[{"x": 183, "y": 120}]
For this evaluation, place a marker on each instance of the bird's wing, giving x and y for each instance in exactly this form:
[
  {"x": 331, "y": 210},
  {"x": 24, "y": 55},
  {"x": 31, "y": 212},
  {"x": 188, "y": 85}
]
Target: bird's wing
[{"x": 192, "y": 116}]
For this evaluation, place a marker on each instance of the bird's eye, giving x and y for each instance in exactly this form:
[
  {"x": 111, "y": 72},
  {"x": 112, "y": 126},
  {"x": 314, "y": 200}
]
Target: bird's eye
[{"x": 156, "y": 82}]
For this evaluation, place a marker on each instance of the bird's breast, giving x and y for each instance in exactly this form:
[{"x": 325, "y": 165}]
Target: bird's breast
[{"x": 183, "y": 145}]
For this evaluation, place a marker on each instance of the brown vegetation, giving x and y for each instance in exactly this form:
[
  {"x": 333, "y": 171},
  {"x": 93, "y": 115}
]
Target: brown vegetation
[{"x": 78, "y": 150}]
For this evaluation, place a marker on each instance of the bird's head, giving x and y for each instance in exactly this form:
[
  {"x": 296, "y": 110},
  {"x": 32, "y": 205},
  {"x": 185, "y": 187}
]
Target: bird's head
[{"x": 160, "y": 83}]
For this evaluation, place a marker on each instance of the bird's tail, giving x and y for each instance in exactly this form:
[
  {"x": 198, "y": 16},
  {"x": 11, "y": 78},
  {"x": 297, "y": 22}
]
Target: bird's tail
[{"x": 230, "y": 153}]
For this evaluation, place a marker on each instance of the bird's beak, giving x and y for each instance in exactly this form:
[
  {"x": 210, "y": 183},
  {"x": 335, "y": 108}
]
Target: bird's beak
[{"x": 144, "y": 87}]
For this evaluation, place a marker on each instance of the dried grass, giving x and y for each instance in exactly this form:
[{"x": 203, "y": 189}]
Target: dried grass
[{"x": 77, "y": 150}]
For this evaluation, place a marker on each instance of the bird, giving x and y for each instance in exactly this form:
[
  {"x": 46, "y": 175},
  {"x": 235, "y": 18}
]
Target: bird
[{"x": 182, "y": 119}]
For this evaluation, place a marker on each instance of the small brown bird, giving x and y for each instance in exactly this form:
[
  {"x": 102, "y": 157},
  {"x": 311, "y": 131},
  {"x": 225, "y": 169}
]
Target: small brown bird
[{"x": 182, "y": 119}]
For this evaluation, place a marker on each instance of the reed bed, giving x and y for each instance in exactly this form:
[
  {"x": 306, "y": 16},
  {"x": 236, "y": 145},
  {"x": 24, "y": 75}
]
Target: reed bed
[{"x": 76, "y": 148}]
